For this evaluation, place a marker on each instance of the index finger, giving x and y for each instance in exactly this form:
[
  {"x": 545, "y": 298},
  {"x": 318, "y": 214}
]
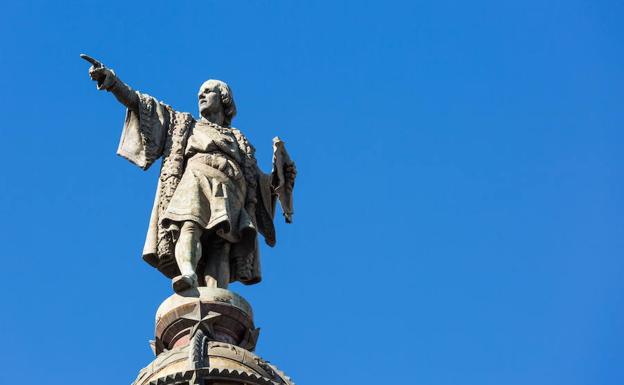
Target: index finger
[{"x": 91, "y": 60}]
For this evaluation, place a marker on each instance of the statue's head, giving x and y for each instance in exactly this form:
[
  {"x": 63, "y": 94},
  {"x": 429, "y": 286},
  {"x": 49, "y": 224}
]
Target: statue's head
[{"x": 215, "y": 95}]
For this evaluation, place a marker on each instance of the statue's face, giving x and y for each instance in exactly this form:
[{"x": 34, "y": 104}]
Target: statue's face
[{"x": 209, "y": 98}]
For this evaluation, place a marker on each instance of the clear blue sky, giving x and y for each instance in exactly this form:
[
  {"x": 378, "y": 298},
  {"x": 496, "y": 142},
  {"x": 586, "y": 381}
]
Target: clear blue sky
[{"x": 459, "y": 211}]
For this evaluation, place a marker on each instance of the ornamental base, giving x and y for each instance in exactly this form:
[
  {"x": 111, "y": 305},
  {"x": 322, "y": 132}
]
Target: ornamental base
[{"x": 206, "y": 336}]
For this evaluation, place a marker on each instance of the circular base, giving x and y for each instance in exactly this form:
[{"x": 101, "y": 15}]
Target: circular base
[
  {"x": 209, "y": 294},
  {"x": 221, "y": 315}
]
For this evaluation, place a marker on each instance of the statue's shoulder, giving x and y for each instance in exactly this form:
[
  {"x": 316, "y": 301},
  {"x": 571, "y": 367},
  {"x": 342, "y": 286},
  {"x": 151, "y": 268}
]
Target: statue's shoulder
[
  {"x": 182, "y": 123},
  {"x": 152, "y": 108},
  {"x": 237, "y": 132},
  {"x": 243, "y": 142},
  {"x": 187, "y": 117}
]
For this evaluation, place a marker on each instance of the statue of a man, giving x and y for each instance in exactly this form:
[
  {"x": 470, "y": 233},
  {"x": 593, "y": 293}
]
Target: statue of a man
[{"x": 211, "y": 199}]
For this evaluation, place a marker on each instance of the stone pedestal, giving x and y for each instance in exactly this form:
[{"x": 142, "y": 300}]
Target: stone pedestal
[{"x": 206, "y": 336}]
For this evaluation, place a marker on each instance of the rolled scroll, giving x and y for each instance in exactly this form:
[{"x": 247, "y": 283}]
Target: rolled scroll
[{"x": 284, "y": 182}]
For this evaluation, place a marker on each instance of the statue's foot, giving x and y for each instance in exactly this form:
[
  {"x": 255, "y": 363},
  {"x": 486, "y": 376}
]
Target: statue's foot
[{"x": 184, "y": 282}]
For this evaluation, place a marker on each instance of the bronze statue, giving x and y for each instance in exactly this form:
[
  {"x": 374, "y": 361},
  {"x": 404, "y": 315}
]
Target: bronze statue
[{"x": 211, "y": 199}]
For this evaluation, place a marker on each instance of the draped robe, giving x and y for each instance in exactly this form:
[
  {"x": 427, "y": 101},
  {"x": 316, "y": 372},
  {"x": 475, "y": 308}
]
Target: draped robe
[{"x": 158, "y": 131}]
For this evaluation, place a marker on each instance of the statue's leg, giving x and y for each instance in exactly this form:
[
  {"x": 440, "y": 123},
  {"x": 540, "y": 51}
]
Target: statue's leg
[
  {"x": 187, "y": 253},
  {"x": 217, "y": 270}
]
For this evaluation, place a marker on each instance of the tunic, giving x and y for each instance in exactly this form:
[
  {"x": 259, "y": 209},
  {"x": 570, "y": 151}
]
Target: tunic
[{"x": 212, "y": 190}]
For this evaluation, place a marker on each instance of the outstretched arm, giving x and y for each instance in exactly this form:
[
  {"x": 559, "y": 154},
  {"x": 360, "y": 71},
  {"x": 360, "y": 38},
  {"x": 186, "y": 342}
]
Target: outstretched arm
[
  {"x": 147, "y": 120},
  {"x": 107, "y": 80}
]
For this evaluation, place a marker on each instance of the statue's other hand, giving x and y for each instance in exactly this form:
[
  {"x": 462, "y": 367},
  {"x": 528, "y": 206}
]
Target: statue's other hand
[{"x": 105, "y": 77}]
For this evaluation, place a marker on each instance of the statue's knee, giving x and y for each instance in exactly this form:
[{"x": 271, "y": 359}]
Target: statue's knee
[{"x": 189, "y": 228}]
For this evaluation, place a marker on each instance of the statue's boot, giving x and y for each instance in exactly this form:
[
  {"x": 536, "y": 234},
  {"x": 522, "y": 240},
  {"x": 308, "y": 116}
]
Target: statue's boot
[{"x": 184, "y": 282}]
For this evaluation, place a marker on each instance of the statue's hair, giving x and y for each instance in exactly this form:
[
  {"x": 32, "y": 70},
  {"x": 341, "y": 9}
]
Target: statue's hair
[{"x": 227, "y": 98}]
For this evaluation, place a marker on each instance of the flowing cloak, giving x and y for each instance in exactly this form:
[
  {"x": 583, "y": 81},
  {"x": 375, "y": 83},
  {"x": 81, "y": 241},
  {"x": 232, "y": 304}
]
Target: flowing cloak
[{"x": 157, "y": 130}]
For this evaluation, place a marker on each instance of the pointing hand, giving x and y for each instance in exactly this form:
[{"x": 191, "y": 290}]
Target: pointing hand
[{"x": 105, "y": 77}]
